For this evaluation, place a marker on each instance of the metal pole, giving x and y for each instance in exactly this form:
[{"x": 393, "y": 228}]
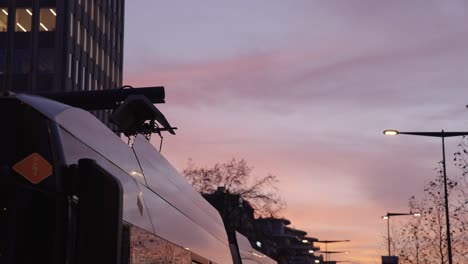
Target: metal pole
[
  {"x": 388, "y": 234},
  {"x": 447, "y": 218},
  {"x": 326, "y": 252}
]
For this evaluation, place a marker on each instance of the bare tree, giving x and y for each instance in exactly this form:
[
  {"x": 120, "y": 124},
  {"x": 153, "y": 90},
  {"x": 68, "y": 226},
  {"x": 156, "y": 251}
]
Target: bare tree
[
  {"x": 424, "y": 240},
  {"x": 236, "y": 177}
]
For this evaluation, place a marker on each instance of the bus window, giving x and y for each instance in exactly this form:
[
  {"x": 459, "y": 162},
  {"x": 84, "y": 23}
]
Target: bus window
[{"x": 145, "y": 247}]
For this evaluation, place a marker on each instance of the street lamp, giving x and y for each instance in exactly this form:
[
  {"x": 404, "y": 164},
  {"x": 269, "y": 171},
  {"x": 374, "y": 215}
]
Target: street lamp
[
  {"x": 387, "y": 217},
  {"x": 326, "y": 245},
  {"x": 443, "y": 135}
]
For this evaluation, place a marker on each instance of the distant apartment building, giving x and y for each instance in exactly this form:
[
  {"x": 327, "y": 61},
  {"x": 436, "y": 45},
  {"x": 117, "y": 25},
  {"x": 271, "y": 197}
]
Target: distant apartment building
[
  {"x": 270, "y": 236},
  {"x": 54, "y": 45}
]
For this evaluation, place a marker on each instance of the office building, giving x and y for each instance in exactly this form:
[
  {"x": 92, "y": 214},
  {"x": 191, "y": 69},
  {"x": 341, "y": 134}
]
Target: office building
[{"x": 53, "y": 45}]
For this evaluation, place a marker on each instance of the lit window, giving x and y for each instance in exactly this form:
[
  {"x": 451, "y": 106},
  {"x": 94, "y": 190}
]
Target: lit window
[
  {"x": 3, "y": 20},
  {"x": 47, "y": 19},
  {"x": 23, "y": 20}
]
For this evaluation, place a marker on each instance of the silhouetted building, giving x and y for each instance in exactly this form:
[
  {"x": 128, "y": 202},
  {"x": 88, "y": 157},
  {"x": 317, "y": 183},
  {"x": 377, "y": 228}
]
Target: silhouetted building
[
  {"x": 287, "y": 245},
  {"x": 271, "y": 236},
  {"x": 53, "y": 45}
]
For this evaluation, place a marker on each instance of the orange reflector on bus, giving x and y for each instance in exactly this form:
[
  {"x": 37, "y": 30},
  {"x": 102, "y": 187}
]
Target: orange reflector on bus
[{"x": 34, "y": 168}]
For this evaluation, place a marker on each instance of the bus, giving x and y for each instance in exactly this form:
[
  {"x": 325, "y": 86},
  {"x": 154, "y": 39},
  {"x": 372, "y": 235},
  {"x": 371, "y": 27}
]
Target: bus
[{"x": 72, "y": 191}]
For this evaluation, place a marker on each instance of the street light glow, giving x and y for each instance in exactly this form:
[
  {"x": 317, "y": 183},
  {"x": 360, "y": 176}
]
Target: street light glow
[
  {"x": 385, "y": 217},
  {"x": 317, "y": 261},
  {"x": 311, "y": 251},
  {"x": 305, "y": 241},
  {"x": 391, "y": 132},
  {"x": 417, "y": 214}
]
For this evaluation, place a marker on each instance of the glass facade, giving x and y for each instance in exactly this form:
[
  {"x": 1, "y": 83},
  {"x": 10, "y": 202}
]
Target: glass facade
[{"x": 85, "y": 36}]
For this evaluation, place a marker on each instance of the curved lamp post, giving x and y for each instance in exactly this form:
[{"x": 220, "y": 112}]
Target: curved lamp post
[
  {"x": 443, "y": 135},
  {"x": 387, "y": 217}
]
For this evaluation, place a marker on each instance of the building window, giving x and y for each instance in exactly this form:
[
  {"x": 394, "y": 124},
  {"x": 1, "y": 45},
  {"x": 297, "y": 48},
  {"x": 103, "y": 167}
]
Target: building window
[
  {"x": 47, "y": 19},
  {"x": 113, "y": 73},
  {"x": 114, "y": 37},
  {"x": 46, "y": 60},
  {"x": 89, "y": 81},
  {"x": 91, "y": 47},
  {"x": 69, "y": 65},
  {"x": 23, "y": 20},
  {"x": 71, "y": 25},
  {"x": 2, "y": 61},
  {"x": 77, "y": 74},
  {"x": 117, "y": 43},
  {"x": 107, "y": 65},
  {"x": 97, "y": 53},
  {"x": 78, "y": 33},
  {"x": 3, "y": 20},
  {"x": 83, "y": 80},
  {"x": 104, "y": 24},
  {"x": 102, "y": 60},
  {"x": 117, "y": 77},
  {"x": 92, "y": 9},
  {"x": 85, "y": 43},
  {"x": 21, "y": 62},
  {"x": 98, "y": 19}
]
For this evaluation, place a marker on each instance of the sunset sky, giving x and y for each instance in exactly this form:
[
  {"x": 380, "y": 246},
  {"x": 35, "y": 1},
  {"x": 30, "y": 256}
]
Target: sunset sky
[{"x": 303, "y": 90}]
